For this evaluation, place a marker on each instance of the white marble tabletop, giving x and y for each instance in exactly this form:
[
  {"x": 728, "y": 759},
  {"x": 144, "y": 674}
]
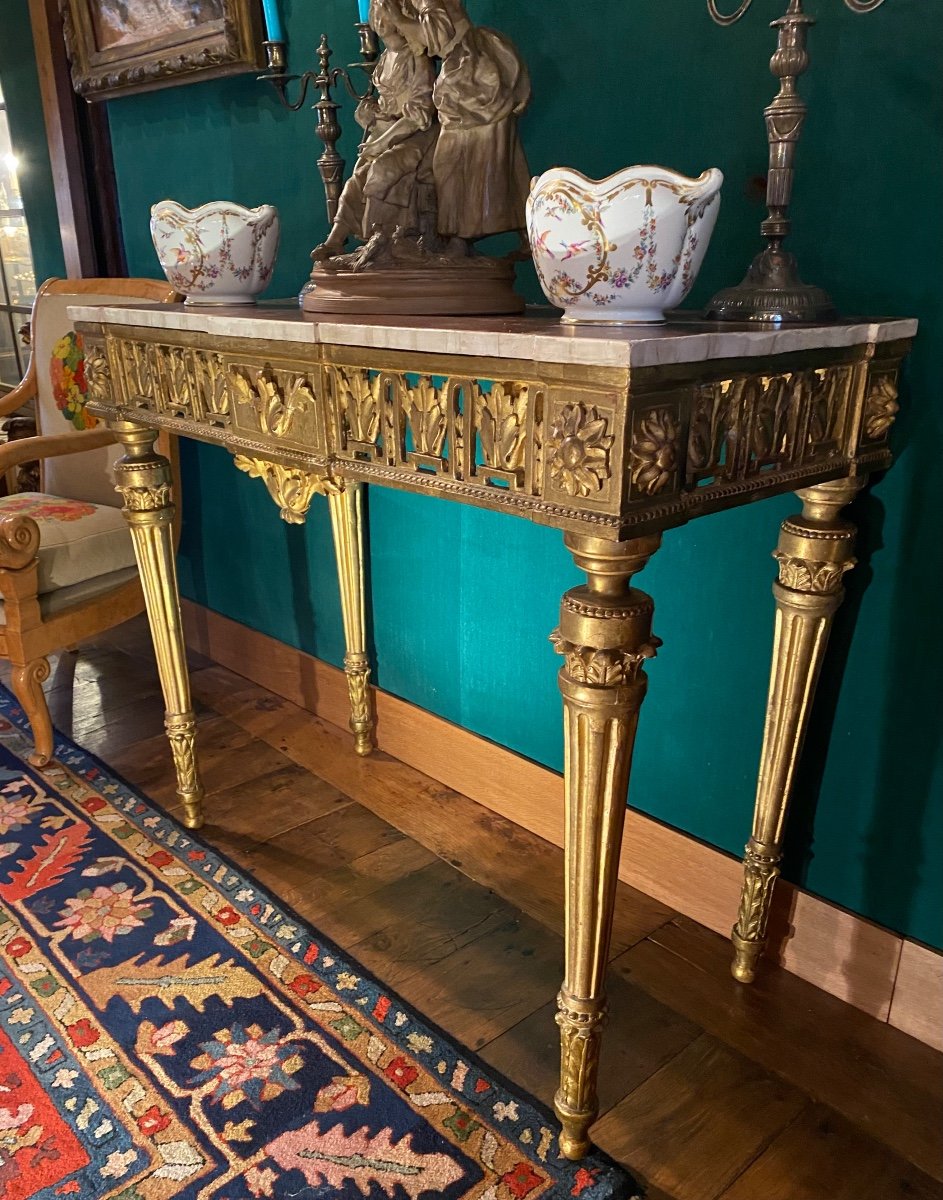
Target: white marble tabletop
[{"x": 537, "y": 336}]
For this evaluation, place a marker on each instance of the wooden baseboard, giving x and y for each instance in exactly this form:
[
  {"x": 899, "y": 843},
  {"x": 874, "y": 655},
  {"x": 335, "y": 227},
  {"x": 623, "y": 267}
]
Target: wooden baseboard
[{"x": 870, "y": 967}]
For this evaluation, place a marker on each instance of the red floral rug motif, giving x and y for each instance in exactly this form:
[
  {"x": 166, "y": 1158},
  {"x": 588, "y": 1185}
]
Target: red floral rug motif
[{"x": 169, "y": 1031}]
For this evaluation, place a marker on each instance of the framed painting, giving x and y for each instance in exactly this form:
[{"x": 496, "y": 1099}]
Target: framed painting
[{"x": 121, "y": 46}]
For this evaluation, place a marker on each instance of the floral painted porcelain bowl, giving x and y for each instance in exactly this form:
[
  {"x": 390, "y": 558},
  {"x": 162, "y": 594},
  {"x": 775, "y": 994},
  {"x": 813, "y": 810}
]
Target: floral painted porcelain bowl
[
  {"x": 219, "y": 253},
  {"x": 620, "y": 250}
]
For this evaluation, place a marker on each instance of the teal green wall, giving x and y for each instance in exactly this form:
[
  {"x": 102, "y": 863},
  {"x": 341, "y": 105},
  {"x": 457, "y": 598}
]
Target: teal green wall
[
  {"x": 25, "y": 114},
  {"x": 462, "y": 600}
]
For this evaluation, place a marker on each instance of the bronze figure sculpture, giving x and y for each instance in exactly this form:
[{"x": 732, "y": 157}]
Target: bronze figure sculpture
[{"x": 441, "y": 166}]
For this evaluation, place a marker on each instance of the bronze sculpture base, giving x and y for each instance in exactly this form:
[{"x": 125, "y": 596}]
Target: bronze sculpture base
[{"x": 470, "y": 287}]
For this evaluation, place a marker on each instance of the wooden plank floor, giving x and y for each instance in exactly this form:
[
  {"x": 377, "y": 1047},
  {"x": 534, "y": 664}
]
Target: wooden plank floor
[{"x": 709, "y": 1090}]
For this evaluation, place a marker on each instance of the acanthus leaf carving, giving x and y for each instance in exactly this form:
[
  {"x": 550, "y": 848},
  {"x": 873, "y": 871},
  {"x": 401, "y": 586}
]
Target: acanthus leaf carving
[
  {"x": 210, "y": 379},
  {"x": 146, "y": 498},
  {"x": 502, "y": 424},
  {"x": 759, "y": 875},
  {"x": 603, "y": 667},
  {"x": 292, "y": 488},
  {"x": 426, "y": 414},
  {"x": 805, "y": 575},
  {"x": 359, "y": 399},
  {"x": 277, "y": 404}
]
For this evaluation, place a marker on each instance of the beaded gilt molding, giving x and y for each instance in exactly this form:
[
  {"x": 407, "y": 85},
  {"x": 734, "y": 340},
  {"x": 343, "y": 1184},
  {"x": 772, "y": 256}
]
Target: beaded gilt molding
[{"x": 606, "y": 451}]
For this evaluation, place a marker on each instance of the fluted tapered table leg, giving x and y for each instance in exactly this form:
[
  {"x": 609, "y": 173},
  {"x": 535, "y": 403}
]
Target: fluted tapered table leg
[
  {"x": 605, "y": 637},
  {"x": 346, "y": 506},
  {"x": 144, "y": 480},
  {"x": 815, "y": 550}
]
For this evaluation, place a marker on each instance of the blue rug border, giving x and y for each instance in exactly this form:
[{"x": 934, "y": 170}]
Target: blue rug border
[{"x": 11, "y": 708}]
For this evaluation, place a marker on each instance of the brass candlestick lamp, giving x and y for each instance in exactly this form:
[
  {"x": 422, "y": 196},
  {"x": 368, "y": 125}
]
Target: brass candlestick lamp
[
  {"x": 772, "y": 289},
  {"x": 330, "y": 163}
]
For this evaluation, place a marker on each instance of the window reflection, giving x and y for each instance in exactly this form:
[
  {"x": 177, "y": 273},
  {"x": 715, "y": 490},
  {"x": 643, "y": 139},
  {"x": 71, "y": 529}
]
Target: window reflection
[{"x": 17, "y": 277}]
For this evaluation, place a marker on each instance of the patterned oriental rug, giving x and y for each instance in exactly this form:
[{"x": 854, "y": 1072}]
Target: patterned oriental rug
[{"x": 168, "y": 1031}]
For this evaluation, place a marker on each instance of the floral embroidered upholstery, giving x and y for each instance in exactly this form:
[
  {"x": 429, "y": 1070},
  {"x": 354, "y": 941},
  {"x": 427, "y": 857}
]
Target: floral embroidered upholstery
[
  {"x": 60, "y": 381},
  {"x": 50, "y": 508},
  {"x": 67, "y": 375},
  {"x": 78, "y": 540}
]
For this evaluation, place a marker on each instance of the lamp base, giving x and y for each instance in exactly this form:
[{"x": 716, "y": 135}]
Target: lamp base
[{"x": 772, "y": 292}]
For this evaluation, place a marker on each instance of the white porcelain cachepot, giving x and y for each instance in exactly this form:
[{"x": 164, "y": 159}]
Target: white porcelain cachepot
[
  {"x": 620, "y": 250},
  {"x": 219, "y": 253}
]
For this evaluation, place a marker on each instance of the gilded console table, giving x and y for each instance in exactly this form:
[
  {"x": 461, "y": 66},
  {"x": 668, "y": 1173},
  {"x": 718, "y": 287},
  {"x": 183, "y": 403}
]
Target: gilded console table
[{"x": 610, "y": 435}]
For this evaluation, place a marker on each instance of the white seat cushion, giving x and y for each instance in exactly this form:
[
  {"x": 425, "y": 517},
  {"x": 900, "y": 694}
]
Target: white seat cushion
[{"x": 78, "y": 540}]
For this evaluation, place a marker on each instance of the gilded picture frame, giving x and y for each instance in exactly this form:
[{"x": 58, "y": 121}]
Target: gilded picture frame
[{"x": 121, "y": 46}]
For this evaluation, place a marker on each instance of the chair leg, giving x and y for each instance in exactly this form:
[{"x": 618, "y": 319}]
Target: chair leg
[{"x": 27, "y": 684}]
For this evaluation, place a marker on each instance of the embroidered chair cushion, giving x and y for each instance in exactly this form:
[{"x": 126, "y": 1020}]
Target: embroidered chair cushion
[{"x": 78, "y": 540}]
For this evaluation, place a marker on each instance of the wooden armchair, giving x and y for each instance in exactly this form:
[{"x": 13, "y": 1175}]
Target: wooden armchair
[{"x": 67, "y": 566}]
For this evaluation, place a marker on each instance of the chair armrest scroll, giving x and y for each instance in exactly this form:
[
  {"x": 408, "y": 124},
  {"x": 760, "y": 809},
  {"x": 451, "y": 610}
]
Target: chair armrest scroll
[{"x": 19, "y": 541}]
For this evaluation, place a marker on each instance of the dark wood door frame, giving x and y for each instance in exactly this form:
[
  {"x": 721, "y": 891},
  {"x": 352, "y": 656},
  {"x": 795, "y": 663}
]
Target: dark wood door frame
[{"x": 83, "y": 170}]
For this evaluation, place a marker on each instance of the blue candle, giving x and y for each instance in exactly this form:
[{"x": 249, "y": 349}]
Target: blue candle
[
  {"x": 364, "y": 7},
  {"x": 273, "y": 21}
]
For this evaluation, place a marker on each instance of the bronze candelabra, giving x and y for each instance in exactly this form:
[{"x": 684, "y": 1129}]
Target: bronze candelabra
[
  {"x": 772, "y": 289},
  {"x": 324, "y": 80}
]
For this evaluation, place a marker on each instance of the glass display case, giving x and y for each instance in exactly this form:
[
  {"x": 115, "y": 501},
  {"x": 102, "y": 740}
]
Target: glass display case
[{"x": 17, "y": 278}]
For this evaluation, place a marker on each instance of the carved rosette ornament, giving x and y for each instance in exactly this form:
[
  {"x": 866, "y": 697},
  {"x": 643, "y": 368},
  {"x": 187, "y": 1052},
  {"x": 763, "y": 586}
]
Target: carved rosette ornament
[
  {"x": 881, "y": 407},
  {"x": 579, "y": 450},
  {"x": 97, "y": 374},
  {"x": 654, "y": 452},
  {"x": 291, "y": 488}
]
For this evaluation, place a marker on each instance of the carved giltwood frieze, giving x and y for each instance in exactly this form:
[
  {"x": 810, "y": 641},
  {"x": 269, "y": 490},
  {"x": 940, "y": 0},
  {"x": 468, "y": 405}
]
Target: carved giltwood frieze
[
  {"x": 583, "y": 449},
  {"x": 431, "y": 428},
  {"x": 750, "y": 423}
]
